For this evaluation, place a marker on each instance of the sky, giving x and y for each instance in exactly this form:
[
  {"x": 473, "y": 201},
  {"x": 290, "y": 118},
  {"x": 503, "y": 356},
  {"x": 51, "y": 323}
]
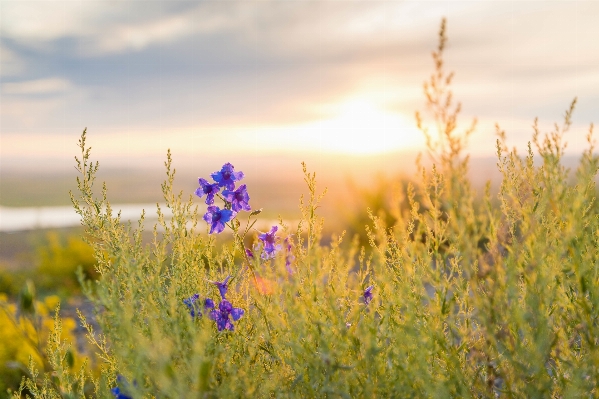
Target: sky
[{"x": 213, "y": 79}]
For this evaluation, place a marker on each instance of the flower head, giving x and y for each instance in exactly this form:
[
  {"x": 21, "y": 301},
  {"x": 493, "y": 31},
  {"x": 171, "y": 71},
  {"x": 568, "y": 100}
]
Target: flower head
[
  {"x": 222, "y": 287},
  {"x": 249, "y": 253},
  {"x": 117, "y": 392},
  {"x": 217, "y": 218},
  {"x": 238, "y": 198},
  {"x": 207, "y": 189},
  {"x": 194, "y": 306},
  {"x": 227, "y": 177},
  {"x": 368, "y": 294},
  {"x": 269, "y": 239},
  {"x": 223, "y": 315}
]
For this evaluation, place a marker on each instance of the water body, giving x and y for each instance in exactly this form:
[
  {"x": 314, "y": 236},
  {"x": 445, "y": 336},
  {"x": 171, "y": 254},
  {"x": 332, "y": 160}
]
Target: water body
[
  {"x": 13, "y": 219},
  {"x": 16, "y": 219}
]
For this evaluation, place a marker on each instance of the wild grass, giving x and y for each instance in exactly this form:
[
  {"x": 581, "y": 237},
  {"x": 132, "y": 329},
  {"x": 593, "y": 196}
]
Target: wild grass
[{"x": 469, "y": 299}]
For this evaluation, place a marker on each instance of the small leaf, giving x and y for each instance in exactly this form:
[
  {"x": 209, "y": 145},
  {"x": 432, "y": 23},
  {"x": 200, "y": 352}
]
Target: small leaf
[{"x": 70, "y": 359}]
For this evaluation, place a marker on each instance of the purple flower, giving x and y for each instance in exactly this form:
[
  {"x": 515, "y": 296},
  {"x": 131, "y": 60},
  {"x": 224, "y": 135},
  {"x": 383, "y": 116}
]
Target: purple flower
[
  {"x": 238, "y": 198},
  {"x": 117, "y": 391},
  {"x": 118, "y": 394},
  {"x": 289, "y": 258},
  {"x": 207, "y": 189},
  {"x": 222, "y": 287},
  {"x": 208, "y": 303},
  {"x": 226, "y": 177},
  {"x": 249, "y": 253},
  {"x": 194, "y": 308},
  {"x": 269, "y": 239},
  {"x": 223, "y": 315},
  {"x": 368, "y": 294},
  {"x": 217, "y": 218}
]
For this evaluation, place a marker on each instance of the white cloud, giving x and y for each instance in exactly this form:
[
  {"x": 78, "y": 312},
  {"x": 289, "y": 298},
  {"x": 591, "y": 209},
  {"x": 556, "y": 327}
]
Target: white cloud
[
  {"x": 103, "y": 27},
  {"x": 142, "y": 35},
  {"x": 32, "y": 21}
]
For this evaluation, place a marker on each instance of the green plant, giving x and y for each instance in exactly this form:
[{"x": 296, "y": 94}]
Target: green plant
[{"x": 29, "y": 331}]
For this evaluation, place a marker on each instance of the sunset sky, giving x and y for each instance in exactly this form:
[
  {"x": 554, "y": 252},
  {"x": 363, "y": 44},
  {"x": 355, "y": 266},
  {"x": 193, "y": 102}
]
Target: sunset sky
[{"x": 214, "y": 78}]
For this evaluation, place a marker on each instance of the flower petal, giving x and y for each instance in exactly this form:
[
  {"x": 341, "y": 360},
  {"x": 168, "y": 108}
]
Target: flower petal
[
  {"x": 236, "y": 313},
  {"x": 208, "y": 303}
]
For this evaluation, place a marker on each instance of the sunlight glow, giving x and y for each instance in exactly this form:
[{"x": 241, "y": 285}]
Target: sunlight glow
[
  {"x": 357, "y": 127},
  {"x": 361, "y": 128}
]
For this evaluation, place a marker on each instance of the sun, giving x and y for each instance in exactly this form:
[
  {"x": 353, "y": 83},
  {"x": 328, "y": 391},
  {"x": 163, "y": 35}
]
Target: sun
[
  {"x": 357, "y": 127},
  {"x": 362, "y": 128}
]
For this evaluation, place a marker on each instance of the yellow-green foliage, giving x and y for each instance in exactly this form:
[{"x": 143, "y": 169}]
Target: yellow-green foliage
[
  {"x": 470, "y": 300},
  {"x": 23, "y": 334},
  {"x": 58, "y": 260}
]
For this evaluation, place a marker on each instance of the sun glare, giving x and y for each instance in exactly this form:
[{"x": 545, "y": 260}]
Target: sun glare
[
  {"x": 361, "y": 128},
  {"x": 356, "y": 127}
]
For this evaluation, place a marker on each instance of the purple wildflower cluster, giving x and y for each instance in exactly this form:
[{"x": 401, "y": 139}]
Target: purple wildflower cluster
[
  {"x": 270, "y": 246},
  {"x": 224, "y": 315},
  {"x": 195, "y": 310},
  {"x": 270, "y": 243},
  {"x": 236, "y": 200}
]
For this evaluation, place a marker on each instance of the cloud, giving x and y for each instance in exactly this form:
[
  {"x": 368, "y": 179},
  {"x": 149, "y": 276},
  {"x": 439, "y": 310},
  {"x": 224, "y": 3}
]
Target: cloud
[
  {"x": 99, "y": 27},
  {"x": 37, "y": 87},
  {"x": 281, "y": 28},
  {"x": 12, "y": 65}
]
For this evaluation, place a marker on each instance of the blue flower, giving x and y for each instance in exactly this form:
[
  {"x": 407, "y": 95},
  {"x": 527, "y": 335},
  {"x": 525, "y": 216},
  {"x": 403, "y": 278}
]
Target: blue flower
[
  {"x": 223, "y": 315},
  {"x": 117, "y": 391},
  {"x": 227, "y": 177},
  {"x": 222, "y": 287},
  {"x": 368, "y": 294},
  {"x": 118, "y": 394},
  {"x": 217, "y": 218},
  {"x": 194, "y": 308},
  {"x": 238, "y": 198},
  {"x": 207, "y": 189},
  {"x": 269, "y": 239}
]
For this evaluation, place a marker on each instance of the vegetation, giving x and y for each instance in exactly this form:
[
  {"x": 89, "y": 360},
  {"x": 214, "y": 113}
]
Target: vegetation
[{"x": 453, "y": 296}]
